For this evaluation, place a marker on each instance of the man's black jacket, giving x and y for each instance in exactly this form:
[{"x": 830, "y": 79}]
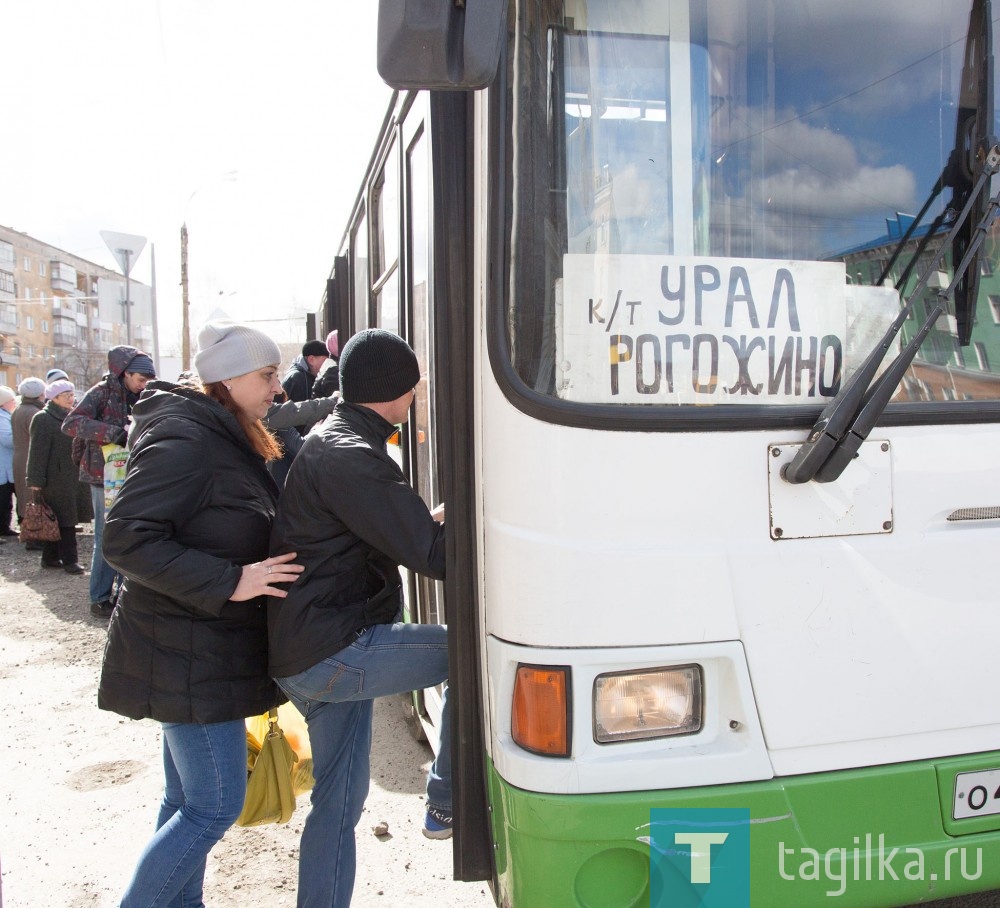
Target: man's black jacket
[{"x": 351, "y": 517}]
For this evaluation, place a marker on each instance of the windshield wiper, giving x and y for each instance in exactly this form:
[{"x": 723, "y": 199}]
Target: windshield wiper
[
  {"x": 848, "y": 419},
  {"x": 882, "y": 390}
]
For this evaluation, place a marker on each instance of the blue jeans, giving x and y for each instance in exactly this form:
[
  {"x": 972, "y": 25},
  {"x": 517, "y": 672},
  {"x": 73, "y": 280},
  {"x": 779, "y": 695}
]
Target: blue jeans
[
  {"x": 206, "y": 781},
  {"x": 102, "y": 575},
  {"x": 335, "y": 696}
]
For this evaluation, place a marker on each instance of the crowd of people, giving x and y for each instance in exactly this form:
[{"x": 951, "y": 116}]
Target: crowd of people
[{"x": 250, "y": 557}]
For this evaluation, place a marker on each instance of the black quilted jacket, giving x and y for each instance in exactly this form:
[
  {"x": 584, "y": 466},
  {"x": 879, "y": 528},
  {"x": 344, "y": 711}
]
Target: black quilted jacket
[
  {"x": 197, "y": 503},
  {"x": 352, "y": 519}
]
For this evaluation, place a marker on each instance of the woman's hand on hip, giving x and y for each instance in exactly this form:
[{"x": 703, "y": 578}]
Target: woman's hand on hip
[{"x": 257, "y": 578}]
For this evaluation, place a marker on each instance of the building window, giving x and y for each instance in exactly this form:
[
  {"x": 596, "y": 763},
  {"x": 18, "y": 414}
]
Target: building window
[
  {"x": 27, "y": 264},
  {"x": 981, "y": 357},
  {"x": 29, "y": 323},
  {"x": 7, "y": 256},
  {"x": 27, "y": 293},
  {"x": 45, "y": 326},
  {"x": 41, "y": 268},
  {"x": 6, "y": 282},
  {"x": 995, "y": 308}
]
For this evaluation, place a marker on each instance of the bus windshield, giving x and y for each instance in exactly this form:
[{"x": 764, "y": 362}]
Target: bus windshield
[{"x": 705, "y": 196}]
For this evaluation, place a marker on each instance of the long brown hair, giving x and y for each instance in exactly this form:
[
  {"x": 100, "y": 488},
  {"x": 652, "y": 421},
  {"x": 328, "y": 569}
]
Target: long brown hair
[{"x": 261, "y": 440}]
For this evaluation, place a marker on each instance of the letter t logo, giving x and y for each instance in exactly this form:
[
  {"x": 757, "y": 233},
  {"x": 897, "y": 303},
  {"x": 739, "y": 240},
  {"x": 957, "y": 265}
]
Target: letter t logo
[{"x": 701, "y": 861}]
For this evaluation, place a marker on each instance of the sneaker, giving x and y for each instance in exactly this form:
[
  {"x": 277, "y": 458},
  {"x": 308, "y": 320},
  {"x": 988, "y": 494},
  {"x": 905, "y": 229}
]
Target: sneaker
[
  {"x": 73, "y": 568},
  {"x": 101, "y": 609},
  {"x": 437, "y": 824}
]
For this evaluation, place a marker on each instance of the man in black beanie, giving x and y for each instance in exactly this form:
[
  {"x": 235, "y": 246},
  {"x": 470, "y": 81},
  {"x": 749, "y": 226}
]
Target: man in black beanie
[
  {"x": 337, "y": 642},
  {"x": 299, "y": 378}
]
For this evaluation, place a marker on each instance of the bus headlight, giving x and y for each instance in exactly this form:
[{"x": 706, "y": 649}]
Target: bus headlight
[{"x": 652, "y": 703}]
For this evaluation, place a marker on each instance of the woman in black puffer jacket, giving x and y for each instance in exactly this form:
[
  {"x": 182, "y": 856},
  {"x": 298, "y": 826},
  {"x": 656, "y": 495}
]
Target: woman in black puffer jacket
[{"x": 187, "y": 643}]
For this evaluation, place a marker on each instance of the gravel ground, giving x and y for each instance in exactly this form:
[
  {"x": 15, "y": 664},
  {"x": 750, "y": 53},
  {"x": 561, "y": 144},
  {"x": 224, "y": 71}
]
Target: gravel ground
[{"x": 82, "y": 785}]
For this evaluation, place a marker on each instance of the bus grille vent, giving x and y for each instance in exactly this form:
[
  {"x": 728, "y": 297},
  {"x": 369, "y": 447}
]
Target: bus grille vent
[{"x": 974, "y": 514}]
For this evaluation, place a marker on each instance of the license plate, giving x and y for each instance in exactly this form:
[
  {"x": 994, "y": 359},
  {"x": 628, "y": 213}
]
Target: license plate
[{"x": 977, "y": 794}]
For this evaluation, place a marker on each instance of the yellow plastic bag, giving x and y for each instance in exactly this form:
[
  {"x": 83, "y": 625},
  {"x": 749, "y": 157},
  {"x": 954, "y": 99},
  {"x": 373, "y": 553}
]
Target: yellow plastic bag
[
  {"x": 270, "y": 798},
  {"x": 293, "y": 724}
]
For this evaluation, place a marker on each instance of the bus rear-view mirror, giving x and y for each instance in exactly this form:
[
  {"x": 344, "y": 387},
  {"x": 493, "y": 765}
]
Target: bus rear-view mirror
[{"x": 440, "y": 44}]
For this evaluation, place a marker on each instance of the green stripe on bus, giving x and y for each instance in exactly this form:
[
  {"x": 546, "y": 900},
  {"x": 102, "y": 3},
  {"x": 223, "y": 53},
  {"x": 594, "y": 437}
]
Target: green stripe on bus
[{"x": 863, "y": 837}]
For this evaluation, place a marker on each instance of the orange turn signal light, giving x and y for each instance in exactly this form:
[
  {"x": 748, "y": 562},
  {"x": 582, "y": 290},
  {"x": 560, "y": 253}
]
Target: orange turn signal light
[{"x": 540, "y": 709}]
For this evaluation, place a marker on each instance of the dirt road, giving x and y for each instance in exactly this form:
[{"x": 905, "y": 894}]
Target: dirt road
[{"x": 81, "y": 786}]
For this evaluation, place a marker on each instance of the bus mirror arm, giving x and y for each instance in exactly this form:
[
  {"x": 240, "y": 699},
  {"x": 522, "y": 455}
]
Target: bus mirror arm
[{"x": 849, "y": 418}]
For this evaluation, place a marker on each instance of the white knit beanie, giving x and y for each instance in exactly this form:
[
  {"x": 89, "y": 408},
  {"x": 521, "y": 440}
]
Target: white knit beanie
[{"x": 226, "y": 349}]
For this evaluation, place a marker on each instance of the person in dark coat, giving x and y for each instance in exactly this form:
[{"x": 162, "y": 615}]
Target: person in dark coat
[
  {"x": 328, "y": 378},
  {"x": 289, "y": 420},
  {"x": 51, "y": 473},
  {"x": 101, "y": 418},
  {"x": 337, "y": 641},
  {"x": 298, "y": 381},
  {"x": 187, "y": 642}
]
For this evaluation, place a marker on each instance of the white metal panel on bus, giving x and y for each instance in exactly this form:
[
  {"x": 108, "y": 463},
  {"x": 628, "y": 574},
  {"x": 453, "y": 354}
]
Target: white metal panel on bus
[{"x": 861, "y": 649}]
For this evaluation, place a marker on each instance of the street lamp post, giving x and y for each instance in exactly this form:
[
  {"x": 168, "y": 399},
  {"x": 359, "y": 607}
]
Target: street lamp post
[{"x": 126, "y": 249}]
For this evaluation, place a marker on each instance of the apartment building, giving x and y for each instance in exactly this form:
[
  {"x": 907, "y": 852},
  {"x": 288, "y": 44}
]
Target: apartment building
[{"x": 58, "y": 310}]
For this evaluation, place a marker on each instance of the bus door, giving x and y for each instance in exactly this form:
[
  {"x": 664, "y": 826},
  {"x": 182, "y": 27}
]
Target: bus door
[{"x": 426, "y": 595}]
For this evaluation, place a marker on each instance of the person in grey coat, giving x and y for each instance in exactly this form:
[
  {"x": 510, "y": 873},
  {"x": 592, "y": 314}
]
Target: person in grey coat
[
  {"x": 52, "y": 474},
  {"x": 32, "y": 393}
]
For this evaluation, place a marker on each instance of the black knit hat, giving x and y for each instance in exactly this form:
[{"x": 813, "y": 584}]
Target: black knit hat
[
  {"x": 377, "y": 366},
  {"x": 314, "y": 348}
]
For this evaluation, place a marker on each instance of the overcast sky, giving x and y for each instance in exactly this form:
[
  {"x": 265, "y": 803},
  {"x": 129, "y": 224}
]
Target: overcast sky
[{"x": 251, "y": 121}]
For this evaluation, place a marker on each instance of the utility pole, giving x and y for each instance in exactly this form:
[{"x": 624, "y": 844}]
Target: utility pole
[{"x": 185, "y": 305}]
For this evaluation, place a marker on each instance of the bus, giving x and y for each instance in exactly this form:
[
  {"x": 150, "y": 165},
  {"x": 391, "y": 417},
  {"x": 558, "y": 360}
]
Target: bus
[{"x": 704, "y": 296}]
